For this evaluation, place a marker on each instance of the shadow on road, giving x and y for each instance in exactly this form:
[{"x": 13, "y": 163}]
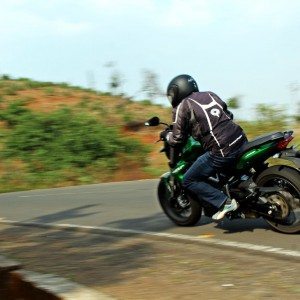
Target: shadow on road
[
  {"x": 234, "y": 226},
  {"x": 157, "y": 222},
  {"x": 72, "y": 213}
]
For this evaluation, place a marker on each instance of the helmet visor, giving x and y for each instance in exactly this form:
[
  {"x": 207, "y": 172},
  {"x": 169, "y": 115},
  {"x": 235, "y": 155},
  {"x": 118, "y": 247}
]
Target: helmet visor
[
  {"x": 171, "y": 95},
  {"x": 170, "y": 98}
]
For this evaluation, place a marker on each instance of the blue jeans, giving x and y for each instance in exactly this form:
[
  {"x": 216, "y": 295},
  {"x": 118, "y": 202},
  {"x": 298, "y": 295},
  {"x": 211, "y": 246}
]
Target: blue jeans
[{"x": 206, "y": 165}]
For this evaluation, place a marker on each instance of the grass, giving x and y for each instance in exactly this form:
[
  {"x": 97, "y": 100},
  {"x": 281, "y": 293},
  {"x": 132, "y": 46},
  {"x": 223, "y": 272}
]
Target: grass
[{"x": 34, "y": 143}]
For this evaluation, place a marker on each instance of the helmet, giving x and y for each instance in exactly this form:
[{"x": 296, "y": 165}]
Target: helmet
[{"x": 180, "y": 87}]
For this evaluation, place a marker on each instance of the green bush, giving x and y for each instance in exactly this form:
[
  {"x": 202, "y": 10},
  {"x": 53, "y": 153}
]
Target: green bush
[
  {"x": 64, "y": 85},
  {"x": 49, "y": 91},
  {"x": 268, "y": 119},
  {"x": 12, "y": 89},
  {"x": 14, "y": 113},
  {"x": 146, "y": 102},
  {"x": 5, "y": 77},
  {"x": 32, "y": 84},
  {"x": 63, "y": 139}
]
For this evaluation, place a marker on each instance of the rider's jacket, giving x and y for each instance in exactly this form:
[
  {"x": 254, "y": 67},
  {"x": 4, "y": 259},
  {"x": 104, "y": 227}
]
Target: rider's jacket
[{"x": 205, "y": 117}]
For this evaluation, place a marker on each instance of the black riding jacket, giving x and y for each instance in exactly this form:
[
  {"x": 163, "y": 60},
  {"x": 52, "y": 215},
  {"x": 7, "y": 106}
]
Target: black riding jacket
[{"x": 205, "y": 117}]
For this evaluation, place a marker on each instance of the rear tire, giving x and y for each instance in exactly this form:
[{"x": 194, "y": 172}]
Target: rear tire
[
  {"x": 182, "y": 216},
  {"x": 289, "y": 180}
]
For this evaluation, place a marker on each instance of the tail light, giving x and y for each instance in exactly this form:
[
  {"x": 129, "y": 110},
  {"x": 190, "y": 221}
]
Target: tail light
[{"x": 283, "y": 143}]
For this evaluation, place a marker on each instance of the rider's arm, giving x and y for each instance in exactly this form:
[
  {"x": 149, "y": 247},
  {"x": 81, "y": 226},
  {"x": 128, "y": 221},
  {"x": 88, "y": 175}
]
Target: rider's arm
[
  {"x": 227, "y": 112},
  {"x": 179, "y": 133}
]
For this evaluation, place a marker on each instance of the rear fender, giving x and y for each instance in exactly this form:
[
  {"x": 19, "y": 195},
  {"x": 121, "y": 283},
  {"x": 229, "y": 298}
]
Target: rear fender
[{"x": 292, "y": 157}]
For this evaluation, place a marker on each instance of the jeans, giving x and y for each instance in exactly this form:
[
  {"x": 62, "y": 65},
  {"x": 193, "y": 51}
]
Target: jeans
[{"x": 206, "y": 165}]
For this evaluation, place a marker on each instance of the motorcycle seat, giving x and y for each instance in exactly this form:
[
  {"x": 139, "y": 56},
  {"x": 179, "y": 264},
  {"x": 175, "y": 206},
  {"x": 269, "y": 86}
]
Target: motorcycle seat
[{"x": 263, "y": 139}]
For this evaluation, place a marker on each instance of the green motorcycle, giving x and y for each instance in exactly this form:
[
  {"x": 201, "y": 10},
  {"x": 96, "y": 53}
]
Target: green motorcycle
[{"x": 271, "y": 192}]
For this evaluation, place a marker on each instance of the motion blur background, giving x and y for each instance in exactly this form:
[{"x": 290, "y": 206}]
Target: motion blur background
[{"x": 79, "y": 77}]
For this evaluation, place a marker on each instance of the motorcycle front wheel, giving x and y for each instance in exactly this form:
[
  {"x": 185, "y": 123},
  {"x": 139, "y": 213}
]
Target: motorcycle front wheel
[{"x": 182, "y": 209}]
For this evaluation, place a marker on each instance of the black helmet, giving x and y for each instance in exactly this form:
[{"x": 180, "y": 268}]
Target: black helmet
[{"x": 180, "y": 87}]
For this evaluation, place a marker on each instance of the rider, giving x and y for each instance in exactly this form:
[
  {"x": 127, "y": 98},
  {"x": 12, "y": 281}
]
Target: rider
[{"x": 205, "y": 117}]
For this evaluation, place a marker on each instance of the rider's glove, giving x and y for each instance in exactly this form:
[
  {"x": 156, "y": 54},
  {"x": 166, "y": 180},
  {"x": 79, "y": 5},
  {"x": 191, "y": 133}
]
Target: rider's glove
[
  {"x": 172, "y": 164},
  {"x": 165, "y": 135}
]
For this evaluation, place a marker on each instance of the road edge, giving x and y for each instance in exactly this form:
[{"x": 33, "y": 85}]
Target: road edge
[{"x": 16, "y": 282}]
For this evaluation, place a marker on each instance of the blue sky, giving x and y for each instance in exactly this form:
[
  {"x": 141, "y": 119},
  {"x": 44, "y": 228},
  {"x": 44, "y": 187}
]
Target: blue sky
[{"x": 232, "y": 47}]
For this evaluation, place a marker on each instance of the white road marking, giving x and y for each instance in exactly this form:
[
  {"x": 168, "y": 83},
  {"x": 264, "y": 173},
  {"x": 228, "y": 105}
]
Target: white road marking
[{"x": 201, "y": 239}]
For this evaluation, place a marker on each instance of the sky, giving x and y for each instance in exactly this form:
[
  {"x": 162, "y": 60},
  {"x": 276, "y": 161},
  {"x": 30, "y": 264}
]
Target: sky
[{"x": 248, "y": 48}]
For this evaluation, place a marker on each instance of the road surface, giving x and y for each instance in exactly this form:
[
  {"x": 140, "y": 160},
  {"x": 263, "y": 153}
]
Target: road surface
[{"x": 130, "y": 205}]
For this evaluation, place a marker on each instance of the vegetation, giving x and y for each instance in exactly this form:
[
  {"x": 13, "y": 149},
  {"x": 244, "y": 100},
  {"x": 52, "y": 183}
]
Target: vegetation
[
  {"x": 233, "y": 102},
  {"x": 269, "y": 119},
  {"x": 150, "y": 85},
  {"x": 71, "y": 144},
  {"x": 56, "y": 134},
  {"x": 61, "y": 139}
]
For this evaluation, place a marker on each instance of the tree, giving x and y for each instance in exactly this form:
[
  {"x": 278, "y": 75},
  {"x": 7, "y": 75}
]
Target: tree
[
  {"x": 115, "y": 81},
  {"x": 150, "y": 85},
  {"x": 271, "y": 117},
  {"x": 234, "y": 102}
]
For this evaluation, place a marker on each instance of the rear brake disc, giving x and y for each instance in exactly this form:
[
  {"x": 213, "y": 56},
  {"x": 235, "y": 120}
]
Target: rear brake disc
[{"x": 281, "y": 200}]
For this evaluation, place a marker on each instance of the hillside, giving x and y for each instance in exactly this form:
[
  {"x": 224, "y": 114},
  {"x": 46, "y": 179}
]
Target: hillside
[
  {"x": 57, "y": 135},
  {"x": 52, "y": 106}
]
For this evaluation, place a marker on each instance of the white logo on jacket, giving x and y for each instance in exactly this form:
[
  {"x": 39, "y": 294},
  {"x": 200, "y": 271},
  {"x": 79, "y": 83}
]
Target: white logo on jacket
[{"x": 215, "y": 112}]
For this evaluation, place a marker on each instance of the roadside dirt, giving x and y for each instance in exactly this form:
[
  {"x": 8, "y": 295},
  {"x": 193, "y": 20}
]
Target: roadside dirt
[{"x": 136, "y": 267}]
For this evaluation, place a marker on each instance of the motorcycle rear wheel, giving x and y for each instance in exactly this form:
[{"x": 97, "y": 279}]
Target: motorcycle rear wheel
[
  {"x": 182, "y": 210},
  {"x": 289, "y": 180}
]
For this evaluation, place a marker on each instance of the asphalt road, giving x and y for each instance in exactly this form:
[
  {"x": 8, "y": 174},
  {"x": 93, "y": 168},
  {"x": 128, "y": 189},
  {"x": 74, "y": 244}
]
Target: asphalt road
[{"x": 129, "y": 205}]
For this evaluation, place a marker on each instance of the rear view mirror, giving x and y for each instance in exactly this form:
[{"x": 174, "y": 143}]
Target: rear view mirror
[{"x": 153, "y": 122}]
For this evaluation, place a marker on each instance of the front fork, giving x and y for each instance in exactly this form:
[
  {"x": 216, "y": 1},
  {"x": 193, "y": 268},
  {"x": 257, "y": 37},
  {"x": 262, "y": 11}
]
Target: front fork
[
  {"x": 169, "y": 182},
  {"x": 174, "y": 187}
]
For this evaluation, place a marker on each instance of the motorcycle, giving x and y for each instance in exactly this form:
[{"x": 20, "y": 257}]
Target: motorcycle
[{"x": 261, "y": 189}]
